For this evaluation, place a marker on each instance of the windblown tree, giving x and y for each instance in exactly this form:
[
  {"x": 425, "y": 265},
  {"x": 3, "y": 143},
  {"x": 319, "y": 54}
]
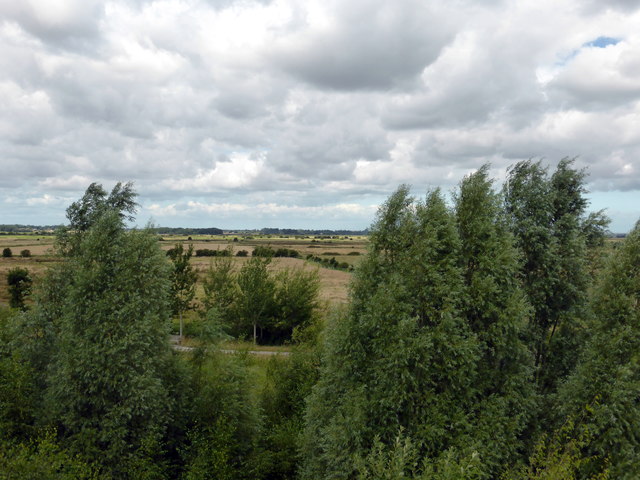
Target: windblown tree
[
  {"x": 547, "y": 217},
  {"x": 404, "y": 359},
  {"x": 604, "y": 391},
  {"x": 95, "y": 202},
  {"x": 496, "y": 310},
  {"x": 110, "y": 316}
]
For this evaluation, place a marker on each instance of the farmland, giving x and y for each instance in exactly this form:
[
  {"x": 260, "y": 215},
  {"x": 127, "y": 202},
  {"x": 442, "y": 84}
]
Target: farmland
[{"x": 333, "y": 282}]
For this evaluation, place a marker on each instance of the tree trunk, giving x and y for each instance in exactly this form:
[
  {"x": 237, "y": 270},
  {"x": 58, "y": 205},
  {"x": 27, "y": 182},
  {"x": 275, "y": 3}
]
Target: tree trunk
[{"x": 180, "y": 327}]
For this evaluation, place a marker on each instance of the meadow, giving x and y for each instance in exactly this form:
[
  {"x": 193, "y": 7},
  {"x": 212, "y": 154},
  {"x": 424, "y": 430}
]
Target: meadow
[{"x": 333, "y": 282}]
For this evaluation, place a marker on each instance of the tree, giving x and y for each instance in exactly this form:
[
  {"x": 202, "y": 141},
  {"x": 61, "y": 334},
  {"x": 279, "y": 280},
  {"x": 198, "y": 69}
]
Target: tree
[
  {"x": 7, "y": 253},
  {"x": 93, "y": 204},
  {"x": 607, "y": 378},
  {"x": 404, "y": 358},
  {"x": 547, "y": 217},
  {"x": 19, "y": 282},
  {"x": 497, "y": 311},
  {"x": 25, "y": 253},
  {"x": 295, "y": 302},
  {"x": 110, "y": 313},
  {"x": 183, "y": 281},
  {"x": 221, "y": 288},
  {"x": 255, "y": 302}
]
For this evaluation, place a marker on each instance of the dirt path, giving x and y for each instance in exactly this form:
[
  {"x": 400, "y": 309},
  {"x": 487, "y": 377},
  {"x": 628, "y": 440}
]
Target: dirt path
[{"x": 175, "y": 344}]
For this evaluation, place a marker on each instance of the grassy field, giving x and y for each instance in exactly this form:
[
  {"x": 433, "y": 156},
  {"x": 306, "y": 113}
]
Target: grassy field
[{"x": 333, "y": 283}]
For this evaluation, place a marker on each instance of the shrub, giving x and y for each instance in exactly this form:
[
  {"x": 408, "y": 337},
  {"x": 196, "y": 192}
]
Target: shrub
[
  {"x": 207, "y": 252},
  {"x": 25, "y": 253},
  {"x": 6, "y": 253},
  {"x": 19, "y": 282},
  {"x": 263, "y": 251},
  {"x": 242, "y": 253},
  {"x": 286, "y": 252}
]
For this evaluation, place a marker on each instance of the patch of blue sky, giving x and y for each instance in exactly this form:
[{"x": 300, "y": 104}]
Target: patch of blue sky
[
  {"x": 600, "y": 42},
  {"x": 620, "y": 206}
]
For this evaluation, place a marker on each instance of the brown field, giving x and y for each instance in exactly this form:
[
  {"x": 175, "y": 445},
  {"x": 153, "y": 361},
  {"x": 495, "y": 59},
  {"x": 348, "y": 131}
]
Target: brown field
[{"x": 333, "y": 283}]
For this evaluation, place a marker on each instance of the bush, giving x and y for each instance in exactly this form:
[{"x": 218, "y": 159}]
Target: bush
[
  {"x": 242, "y": 253},
  {"x": 25, "y": 253},
  {"x": 6, "y": 253},
  {"x": 19, "y": 282},
  {"x": 263, "y": 251},
  {"x": 207, "y": 252},
  {"x": 286, "y": 252}
]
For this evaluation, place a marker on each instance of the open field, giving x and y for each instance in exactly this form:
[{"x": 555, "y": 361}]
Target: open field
[{"x": 333, "y": 283}]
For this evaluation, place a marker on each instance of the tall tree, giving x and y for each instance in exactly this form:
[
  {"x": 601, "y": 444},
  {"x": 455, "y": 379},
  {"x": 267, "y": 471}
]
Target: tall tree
[
  {"x": 110, "y": 314},
  {"x": 183, "y": 281},
  {"x": 255, "y": 302},
  {"x": 547, "y": 217},
  {"x": 497, "y": 311},
  {"x": 95, "y": 202},
  {"x": 404, "y": 358},
  {"x": 607, "y": 379},
  {"x": 221, "y": 287}
]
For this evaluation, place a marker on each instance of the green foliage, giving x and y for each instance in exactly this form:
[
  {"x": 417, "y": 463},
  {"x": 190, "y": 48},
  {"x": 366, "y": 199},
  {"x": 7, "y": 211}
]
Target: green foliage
[
  {"x": 223, "y": 438},
  {"x": 401, "y": 460},
  {"x": 84, "y": 213},
  {"x": 255, "y": 301},
  {"x": 288, "y": 383},
  {"x": 561, "y": 456},
  {"x": 220, "y": 288},
  {"x": 17, "y": 395},
  {"x": 43, "y": 459},
  {"x": 547, "y": 216},
  {"x": 7, "y": 253},
  {"x": 404, "y": 357},
  {"x": 110, "y": 314},
  {"x": 497, "y": 312},
  {"x": 608, "y": 375},
  {"x": 26, "y": 253},
  {"x": 207, "y": 252},
  {"x": 19, "y": 282},
  {"x": 295, "y": 302},
  {"x": 286, "y": 252},
  {"x": 263, "y": 251},
  {"x": 183, "y": 281}
]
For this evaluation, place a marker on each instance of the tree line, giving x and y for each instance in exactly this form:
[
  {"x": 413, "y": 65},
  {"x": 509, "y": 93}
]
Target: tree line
[{"x": 493, "y": 337}]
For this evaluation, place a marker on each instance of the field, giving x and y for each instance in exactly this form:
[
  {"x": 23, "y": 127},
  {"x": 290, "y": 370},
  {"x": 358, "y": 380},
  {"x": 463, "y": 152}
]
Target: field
[{"x": 334, "y": 283}]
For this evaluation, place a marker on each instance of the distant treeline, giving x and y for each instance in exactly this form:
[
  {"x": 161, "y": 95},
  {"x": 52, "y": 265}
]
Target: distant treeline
[
  {"x": 294, "y": 231},
  {"x": 187, "y": 231},
  {"x": 13, "y": 229}
]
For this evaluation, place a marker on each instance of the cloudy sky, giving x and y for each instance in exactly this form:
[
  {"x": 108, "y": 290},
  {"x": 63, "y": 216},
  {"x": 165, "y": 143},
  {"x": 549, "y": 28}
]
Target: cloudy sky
[{"x": 305, "y": 113}]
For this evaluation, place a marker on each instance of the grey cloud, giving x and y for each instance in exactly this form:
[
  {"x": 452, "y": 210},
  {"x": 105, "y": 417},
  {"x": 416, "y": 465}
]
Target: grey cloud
[
  {"x": 595, "y": 6},
  {"x": 72, "y": 25},
  {"x": 371, "y": 45}
]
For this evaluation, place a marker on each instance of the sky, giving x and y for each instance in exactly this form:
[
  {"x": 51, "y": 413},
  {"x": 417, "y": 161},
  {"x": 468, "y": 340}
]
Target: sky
[{"x": 308, "y": 114}]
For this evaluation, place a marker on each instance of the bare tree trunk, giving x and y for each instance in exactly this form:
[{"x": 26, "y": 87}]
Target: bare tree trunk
[
  {"x": 180, "y": 326},
  {"x": 255, "y": 336}
]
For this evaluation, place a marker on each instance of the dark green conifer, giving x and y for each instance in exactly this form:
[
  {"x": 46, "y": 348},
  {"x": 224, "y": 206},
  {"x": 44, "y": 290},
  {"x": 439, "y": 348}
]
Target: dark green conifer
[
  {"x": 607, "y": 380},
  {"x": 497, "y": 312}
]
